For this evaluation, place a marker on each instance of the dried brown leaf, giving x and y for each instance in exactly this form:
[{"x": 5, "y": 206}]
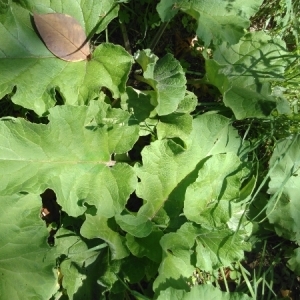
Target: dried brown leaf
[{"x": 63, "y": 36}]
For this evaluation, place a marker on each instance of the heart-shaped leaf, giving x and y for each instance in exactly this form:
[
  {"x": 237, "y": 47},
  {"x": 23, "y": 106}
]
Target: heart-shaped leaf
[{"x": 63, "y": 36}]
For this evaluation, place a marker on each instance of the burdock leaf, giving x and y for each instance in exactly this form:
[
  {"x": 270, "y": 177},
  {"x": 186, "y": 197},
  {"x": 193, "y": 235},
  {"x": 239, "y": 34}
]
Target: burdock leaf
[
  {"x": 72, "y": 156},
  {"x": 26, "y": 260},
  {"x": 217, "y": 20},
  {"x": 63, "y": 35},
  {"x": 39, "y": 76}
]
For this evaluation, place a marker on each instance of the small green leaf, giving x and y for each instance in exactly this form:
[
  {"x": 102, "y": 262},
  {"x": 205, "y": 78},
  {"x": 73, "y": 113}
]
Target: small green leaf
[
  {"x": 148, "y": 246},
  {"x": 132, "y": 274},
  {"x": 4, "y": 6},
  {"x": 210, "y": 249},
  {"x": 174, "y": 125},
  {"x": 294, "y": 262},
  {"x": 138, "y": 226},
  {"x": 107, "y": 274},
  {"x": 256, "y": 54},
  {"x": 100, "y": 227},
  {"x": 123, "y": 131},
  {"x": 176, "y": 266},
  {"x": 109, "y": 67},
  {"x": 147, "y": 60},
  {"x": 138, "y": 103},
  {"x": 218, "y": 247},
  {"x": 166, "y": 77},
  {"x": 78, "y": 266},
  {"x": 188, "y": 103}
]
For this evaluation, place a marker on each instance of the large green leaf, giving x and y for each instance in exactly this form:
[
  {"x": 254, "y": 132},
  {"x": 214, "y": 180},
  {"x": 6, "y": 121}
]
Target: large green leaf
[
  {"x": 26, "y": 261},
  {"x": 72, "y": 156},
  {"x": 218, "y": 20},
  {"x": 37, "y": 74},
  {"x": 242, "y": 72},
  {"x": 166, "y": 163},
  {"x": 166, "y": 77},
  {"x": 212, "y": 197},
  {"x": 256, "y": 54},
  {"x": 201, "y": 292},
  {"x": 283, "y": 207}
]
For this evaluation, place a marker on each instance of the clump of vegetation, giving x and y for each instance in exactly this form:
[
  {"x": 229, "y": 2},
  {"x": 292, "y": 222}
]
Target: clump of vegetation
[{"x": 149, "y": 150}]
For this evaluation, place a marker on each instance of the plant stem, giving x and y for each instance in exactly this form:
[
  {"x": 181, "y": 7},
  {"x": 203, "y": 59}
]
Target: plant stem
[
  {"x": 158, "y": 35},
  {"x": 125, "y": 38}
]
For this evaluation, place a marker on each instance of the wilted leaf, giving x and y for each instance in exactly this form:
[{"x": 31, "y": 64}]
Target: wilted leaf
[{"x": 63, "y": 36}]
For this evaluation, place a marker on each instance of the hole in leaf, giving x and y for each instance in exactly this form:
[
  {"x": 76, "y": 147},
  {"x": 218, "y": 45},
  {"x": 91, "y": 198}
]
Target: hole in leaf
[
  {"x": 72, "y": 223},
  {"x": 58, "y": 97},
  {"x": 50, "y": 213},
  {"x": 134, "y": 203},
  {"x": 81, "y": 202},
  {"x": 179, "y": 142},
  {"x": 135, "y": 152},
  {"x": 90, "y": 209}
]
